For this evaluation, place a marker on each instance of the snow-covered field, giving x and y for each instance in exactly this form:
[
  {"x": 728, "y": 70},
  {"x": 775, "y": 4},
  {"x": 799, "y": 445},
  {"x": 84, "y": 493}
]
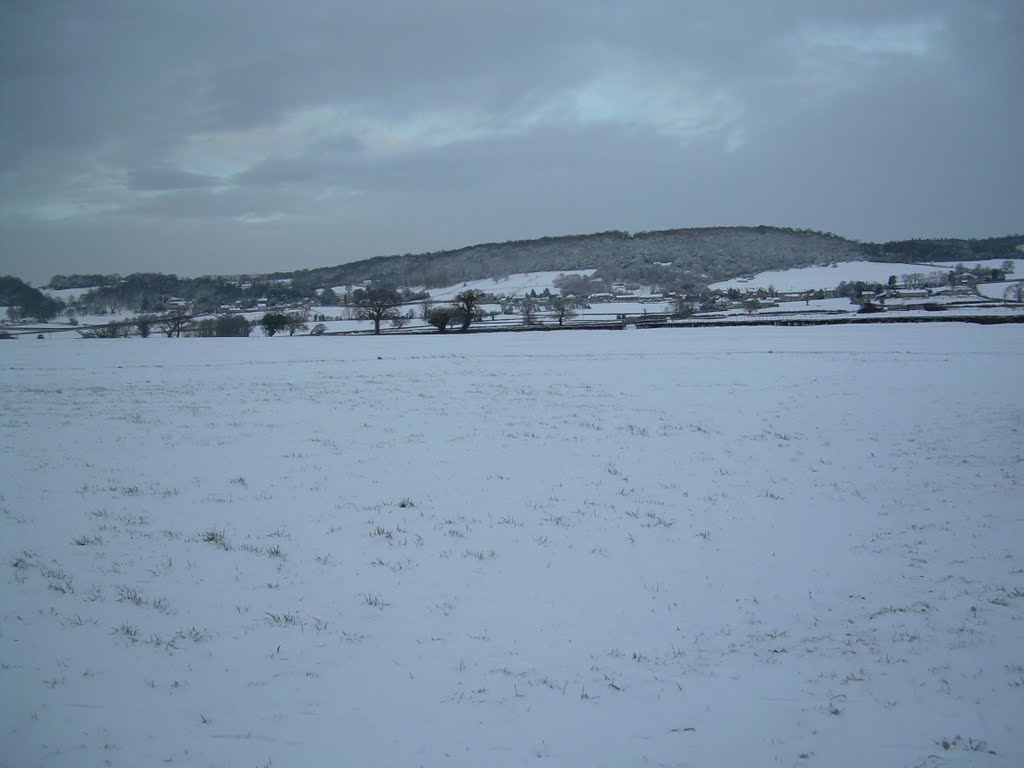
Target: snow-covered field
[
  {"x": 814, "y": 278},
  {"x": 66, "y": 294},
  {"x": 996, "y": 290},
  {"x": 513, "y": 285},
  {"x": 1018, "y": 264},
  {"x": 725, "y": 546}
]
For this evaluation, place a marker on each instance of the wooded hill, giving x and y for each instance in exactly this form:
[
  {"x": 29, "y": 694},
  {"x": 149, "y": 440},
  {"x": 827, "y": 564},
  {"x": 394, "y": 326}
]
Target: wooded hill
[{"x": 670, "y": 261}]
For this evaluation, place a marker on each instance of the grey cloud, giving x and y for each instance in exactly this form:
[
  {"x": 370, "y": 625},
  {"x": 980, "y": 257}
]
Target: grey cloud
[
  {"x": 164, "y": 178},
  {"x": 320, "y": 162},
  {"x": 211, "y": 204},
  {"x": 441, "y": 123},
  {"x": 277, "y": 170}
]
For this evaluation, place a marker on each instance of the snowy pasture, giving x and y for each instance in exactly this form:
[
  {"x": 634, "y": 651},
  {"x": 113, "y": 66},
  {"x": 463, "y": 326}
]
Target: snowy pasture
[
  {"x": 813, "y": 278},
  {"x": 679, "y": 547},
  {"x": 827, "y": 277},
  {"x": 518, "y": 284}
]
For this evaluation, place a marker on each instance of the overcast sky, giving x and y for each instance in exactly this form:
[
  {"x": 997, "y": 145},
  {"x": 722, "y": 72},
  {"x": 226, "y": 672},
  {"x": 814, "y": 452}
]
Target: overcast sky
[{"x": 200, "y": 136}]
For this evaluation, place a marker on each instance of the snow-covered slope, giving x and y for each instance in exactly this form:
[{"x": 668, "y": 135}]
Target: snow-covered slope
[
  {"x": 66, "y": 294},
  {"x": 512, "y": 285},
  {"x": 813, "y": 278}
]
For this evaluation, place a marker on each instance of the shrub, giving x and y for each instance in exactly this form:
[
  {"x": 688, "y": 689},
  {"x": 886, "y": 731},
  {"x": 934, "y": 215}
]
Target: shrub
[
  {"x": 232, "y": 325},
  {"x": 440, "y": 318},
  {"x": 273, "y": 322}
]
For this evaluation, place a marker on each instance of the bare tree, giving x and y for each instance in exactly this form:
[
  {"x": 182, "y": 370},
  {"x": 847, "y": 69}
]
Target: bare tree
[
  {"x": 377, "y": 304},
  {"x": 528, "y": 309},
  {"x": 467, "y": 308},
  {"x": 564, "y": 308},
  {"x": 295, "y": 321},
  {"x": 174, "y": 322},
  {"x": 681, "y": 307},
  {"x": 112, "y": 330},
  {"x": 399, "y": 320}
]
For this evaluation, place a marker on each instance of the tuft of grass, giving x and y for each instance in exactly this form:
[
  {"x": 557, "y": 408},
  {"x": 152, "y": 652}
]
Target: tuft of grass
[
  {"x": 833, "y": 707},
  {"x": 163, "y": 605},
  {"x": 971, "y": 745},
  {"x": 129, "y": 595},
  {"x": 218, "y": 538},
  {"x": 283, "y": 619},
  {"x": 85, "y": 541},
  {"x": 195, "y": 635},
  {"x": 655, "y": 520},
  {"x": 129, "y": 631},
  {"x": 274, "y": 551},
  {"x": 23, "y": 561},
  {"x": 63, "y": 586},
  {"x": 375, "y": 601},
  {"x": 53, "y": 573}
]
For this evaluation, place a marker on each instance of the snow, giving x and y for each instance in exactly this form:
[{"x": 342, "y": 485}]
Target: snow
[
  {"x": 814, "y": 278},
  {"x": 728, "y": 546},
  {"x": 118, "y": 315},
  {"x": 996, "y": 290},
  {"x": 67, "y": 294},
  {"x": 513, "y": 285},
  {"x": 1018, "y": 264},
  {"x": 626, "y": 307}
]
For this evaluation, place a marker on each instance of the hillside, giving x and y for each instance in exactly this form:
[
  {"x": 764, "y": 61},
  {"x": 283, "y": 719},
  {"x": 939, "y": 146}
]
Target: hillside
[
  {"x": 671, "y": 260},
  {"x": 26, "y": 301}
]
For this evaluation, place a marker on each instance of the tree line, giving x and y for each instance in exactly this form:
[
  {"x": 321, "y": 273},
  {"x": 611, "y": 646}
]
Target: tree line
[{"x": 25, "y": 302}]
